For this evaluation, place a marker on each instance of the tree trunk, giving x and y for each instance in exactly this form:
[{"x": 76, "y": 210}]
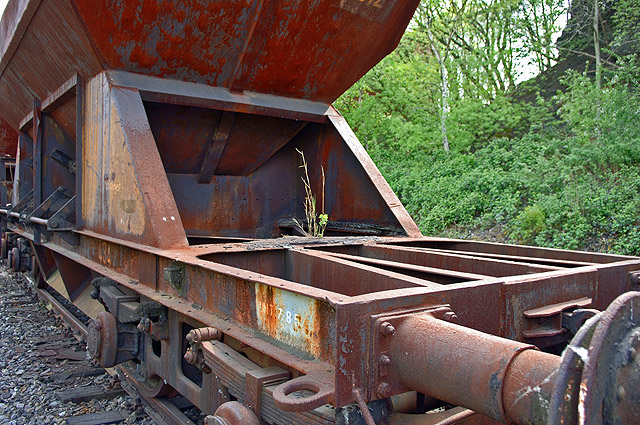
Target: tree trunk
[
  {"x": 444, "y": 113},
  {"x": 445, "y": 105},
  {"x": 596, "y": 42}
]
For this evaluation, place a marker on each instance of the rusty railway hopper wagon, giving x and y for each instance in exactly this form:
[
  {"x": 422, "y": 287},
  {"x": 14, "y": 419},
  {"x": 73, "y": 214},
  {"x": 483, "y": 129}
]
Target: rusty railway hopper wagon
[{"x": 158, "y": 187}]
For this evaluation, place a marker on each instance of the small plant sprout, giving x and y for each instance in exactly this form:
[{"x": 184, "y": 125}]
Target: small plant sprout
[{"x": 316, "y": 223}]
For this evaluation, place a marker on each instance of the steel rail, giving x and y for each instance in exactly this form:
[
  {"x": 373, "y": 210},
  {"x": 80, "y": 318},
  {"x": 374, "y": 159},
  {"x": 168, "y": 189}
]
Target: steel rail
[
  {"x": 68, "y": 317},
  {"x": 161, "y": 410}
]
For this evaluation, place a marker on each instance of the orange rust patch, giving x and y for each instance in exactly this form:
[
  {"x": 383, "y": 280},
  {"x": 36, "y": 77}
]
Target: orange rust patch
[{"x": 292, "y": 319}]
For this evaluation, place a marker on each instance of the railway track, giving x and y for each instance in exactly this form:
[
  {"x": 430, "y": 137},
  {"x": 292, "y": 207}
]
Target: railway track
[{"x": 77, "y": 381}]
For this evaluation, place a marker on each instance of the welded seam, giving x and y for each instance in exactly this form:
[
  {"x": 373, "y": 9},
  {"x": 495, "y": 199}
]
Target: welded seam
[{"x": 232, "y": 79}]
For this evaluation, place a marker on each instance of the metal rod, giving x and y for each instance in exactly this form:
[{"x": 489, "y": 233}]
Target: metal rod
[
  {"x": 454, "y": 419},
  {"x": 38, "y": 220}
]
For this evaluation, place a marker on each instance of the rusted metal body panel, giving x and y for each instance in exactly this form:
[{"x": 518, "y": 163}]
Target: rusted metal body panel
[
  {"x": 295, "y": 49},
  {"x": 126, "y": 192},
  {"x": 8, "y": 139},
  {"x": 158, "y": 167},
  {"x": 287, "y": 48}
]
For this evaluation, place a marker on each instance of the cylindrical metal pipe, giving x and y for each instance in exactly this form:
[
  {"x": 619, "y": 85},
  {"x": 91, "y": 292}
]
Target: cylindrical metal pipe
[
  {"x": 462, "y": 366},
  {"x": 528, "y": 387},
  {"x": 38, "y": 220}
]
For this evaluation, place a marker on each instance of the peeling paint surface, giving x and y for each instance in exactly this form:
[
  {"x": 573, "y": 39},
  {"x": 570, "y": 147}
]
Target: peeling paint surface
[{"x": 290, "y": 318}]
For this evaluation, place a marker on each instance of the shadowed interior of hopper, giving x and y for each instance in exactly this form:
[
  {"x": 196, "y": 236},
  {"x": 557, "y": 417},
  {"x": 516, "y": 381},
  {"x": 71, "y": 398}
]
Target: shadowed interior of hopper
[
  {"x": 238, "y": 175},
  {"x": 312, "y": 270}
]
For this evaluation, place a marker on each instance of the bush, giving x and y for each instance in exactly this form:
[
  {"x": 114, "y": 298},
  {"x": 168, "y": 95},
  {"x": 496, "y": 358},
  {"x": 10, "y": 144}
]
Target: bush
[{"x": 571, "y": 183}]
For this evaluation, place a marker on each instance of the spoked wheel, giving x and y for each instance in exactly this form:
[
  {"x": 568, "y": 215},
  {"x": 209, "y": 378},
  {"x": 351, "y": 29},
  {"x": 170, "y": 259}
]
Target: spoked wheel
[{"x": 150, "y": 387}]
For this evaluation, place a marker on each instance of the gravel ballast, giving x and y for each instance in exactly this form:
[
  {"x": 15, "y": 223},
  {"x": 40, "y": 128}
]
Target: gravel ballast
[{"x": 39, "y": 357}]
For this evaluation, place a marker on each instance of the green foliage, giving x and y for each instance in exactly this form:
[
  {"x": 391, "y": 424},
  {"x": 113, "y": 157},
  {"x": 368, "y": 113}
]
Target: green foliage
[
  {"x": 606, "y": 115},
  {"x": 558, "y": 173},
  {"x": 529, "y": 223},
  {"x": 394, "y": 104},
  {"x": 315, "y": 223},
  {"x": 627, "y": 23},
  {"x": 571, "y": 183}
]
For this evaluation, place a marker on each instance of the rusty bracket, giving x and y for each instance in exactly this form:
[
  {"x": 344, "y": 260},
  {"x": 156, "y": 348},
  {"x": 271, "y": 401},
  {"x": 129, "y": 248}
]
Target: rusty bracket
[
  {"x": 158, "y": 330},
  {"x": 194, "y": 356},
  {"x": 195, "y": 338},
  {"x": 174, "y": 274},
  {"x": 255, "y": 380},
  {"x": 383, "y": 382},
  {"x": 546, "y": 321}
]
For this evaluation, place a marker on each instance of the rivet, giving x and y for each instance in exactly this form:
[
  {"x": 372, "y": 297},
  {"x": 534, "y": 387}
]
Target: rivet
[
  {"x": 621, "y": 393},
  {"x": 632, "y": 354}
]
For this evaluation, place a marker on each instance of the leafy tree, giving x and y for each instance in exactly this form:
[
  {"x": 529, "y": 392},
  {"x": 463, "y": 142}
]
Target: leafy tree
[{"x": 431, "y": 18}]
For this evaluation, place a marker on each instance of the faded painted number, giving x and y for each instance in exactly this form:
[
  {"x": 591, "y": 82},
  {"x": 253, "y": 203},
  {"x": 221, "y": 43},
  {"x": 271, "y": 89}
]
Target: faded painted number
[
  {"x": 374, "y": 3},
  {"x": 289, "y": 317}
]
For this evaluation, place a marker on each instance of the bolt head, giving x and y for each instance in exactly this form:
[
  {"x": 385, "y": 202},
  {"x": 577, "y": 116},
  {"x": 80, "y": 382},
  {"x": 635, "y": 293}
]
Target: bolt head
[
  {"x": 188, "y": 356},
  {"x": 632, "y": 354},
  {"x": 450, "y": 316},
  {"x": 384, "y": 390},
  {"x": 384, "y": 360},
  {"x": 387, "y": 329},
  {"x": 621, "y": 393}
]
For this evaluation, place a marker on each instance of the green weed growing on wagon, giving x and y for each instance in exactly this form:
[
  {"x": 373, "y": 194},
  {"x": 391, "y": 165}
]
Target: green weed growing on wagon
[{"x": 316, "y": 223}]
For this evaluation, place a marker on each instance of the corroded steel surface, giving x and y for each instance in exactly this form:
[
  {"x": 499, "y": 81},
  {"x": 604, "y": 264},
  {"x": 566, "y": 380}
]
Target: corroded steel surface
[
  {"x": 8, "y": 139},
  {"x": 292, "y": 48},
  {"x": 299, "y": 49},
  {"x": 126, "y": 192},
  {"x": 159, "y": 153}
]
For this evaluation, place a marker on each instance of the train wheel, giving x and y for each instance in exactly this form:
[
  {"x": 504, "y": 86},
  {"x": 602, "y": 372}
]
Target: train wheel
[
  {"x": 15, "y": 259},
  {"x": 155, "y": 387},
  {"x": 232, "y": 413},
  {"x": 151, "y": 387},
  {"x": 4, "y": 251}
]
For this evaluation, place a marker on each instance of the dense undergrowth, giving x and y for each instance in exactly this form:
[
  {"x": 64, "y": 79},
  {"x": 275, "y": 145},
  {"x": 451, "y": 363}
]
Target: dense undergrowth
[{"x": 564, "y": 173}]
